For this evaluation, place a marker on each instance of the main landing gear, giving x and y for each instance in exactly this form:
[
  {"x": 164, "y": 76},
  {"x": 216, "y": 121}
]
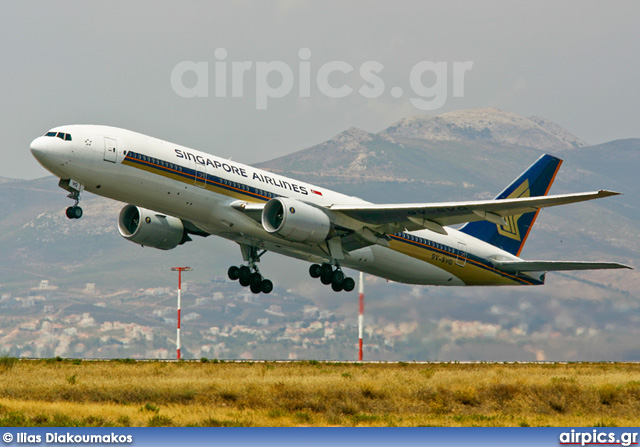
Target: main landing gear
[
  {"x": 249, "y": 275},
  {"x": 336, "y": 277},
  {"x": 253, "y": 279}
]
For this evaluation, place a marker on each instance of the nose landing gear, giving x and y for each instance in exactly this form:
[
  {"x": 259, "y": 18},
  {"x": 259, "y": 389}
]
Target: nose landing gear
[
  {"x": 334, "y": 277},
  {"x": 74, "y": 188},
  {"x": 74, "y": 212}
]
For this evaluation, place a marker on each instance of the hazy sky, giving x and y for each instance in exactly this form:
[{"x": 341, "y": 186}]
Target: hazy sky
[{"x": 574, "y": 62}]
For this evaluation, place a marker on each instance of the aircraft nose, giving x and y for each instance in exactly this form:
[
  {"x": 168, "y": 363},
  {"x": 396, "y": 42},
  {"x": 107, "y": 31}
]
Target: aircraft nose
[{"x": 39, "y": 148}]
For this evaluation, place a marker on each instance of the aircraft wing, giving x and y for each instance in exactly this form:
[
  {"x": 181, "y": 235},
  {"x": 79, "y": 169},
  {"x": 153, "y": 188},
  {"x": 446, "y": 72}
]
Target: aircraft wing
[
  {"x": 434, "y": 216},
  {"x": 555, "y": 266}
]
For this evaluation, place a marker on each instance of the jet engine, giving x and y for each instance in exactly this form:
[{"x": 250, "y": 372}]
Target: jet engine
[
  {"x": 295, "y": 221},
  {"x": 151, "y": 229}
]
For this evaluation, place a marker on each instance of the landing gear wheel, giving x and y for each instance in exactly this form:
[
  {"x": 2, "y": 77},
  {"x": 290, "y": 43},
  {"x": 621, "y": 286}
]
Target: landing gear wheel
[
  {"x": 315, "y": 270},
  {"x": 244, "y": 272},
  {"x": 244, "y": 276},
  {"x": 266, "y": 286},
  {"x": 74, "y": 212},
  {"x": 244, "y": 281},
  {"x": 255, "y": 288},
  {"x": 233, "y": 273},
  {"x": 336, "y": 287},
  {"x": 338, "y": 277},
  {"x": 326, "y": 270},
  {"x": 255, "y": 279},
  {"x": 348, "y": 284},
  {"x": 326, "y": 279}
]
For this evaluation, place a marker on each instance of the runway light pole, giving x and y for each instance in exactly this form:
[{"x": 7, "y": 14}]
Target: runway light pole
[
  {"x": 179, "y": 270},
  {"x": 360, "y": 315}
]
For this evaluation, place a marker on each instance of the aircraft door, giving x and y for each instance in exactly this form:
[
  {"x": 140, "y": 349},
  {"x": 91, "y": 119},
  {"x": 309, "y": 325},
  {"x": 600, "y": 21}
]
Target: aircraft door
[
  {"x": 461, "y": 260},
  {"x": 110, "y": 149},
  {"x": 201, "y": 175}
]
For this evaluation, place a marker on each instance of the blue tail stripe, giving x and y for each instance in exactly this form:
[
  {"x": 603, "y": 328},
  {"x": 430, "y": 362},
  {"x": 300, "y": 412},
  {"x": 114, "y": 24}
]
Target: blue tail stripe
[{"x": 535, "y": 181}]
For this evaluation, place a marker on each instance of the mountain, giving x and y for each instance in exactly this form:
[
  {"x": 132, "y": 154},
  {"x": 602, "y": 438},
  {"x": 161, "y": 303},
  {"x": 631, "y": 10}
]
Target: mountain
[
  {"x": 429, "y": 150},
  {"x": 468, "y": 154},
  {"x": 485, "y": 125},
  {"x": 456, "y": 156}
]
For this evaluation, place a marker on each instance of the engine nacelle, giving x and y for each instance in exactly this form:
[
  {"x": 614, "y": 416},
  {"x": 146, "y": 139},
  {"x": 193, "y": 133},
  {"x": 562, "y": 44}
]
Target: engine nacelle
[
  {"x": 150, "y": 229},
  {"x": 295, "y": 221}
]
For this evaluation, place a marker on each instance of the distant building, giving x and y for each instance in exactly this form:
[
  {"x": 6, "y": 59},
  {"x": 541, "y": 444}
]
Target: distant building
[
  {"x": 158, "y": 291},
  {"x": 310, "y": 312},
  {"x": 275, "y": 310},
  {"x": 45, "y": 285}
]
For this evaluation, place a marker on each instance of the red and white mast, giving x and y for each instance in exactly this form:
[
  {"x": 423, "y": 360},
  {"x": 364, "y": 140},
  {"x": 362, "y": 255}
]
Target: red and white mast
[
  {"x": 360, "y": 315},
  {"x": 179, "y": 270}
]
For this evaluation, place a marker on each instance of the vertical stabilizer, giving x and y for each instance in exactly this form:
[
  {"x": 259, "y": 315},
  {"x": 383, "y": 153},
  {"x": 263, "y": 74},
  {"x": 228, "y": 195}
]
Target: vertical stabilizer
[{"x": 535, "y": 181}]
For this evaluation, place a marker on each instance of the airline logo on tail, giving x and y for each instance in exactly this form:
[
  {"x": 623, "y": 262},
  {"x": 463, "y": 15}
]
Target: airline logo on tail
[{"x": 511, "y": 230}]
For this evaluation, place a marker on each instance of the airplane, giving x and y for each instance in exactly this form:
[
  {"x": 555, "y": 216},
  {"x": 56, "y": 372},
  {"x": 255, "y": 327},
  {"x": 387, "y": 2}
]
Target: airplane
[{"x": 173, "y": 192}]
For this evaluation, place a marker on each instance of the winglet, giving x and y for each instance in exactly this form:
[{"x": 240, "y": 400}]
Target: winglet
[{"x": 607, "y": 193}]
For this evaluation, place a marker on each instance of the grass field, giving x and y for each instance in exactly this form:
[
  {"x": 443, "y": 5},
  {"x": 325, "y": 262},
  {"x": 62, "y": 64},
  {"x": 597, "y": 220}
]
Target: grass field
[{"x": 58, "y": 392}]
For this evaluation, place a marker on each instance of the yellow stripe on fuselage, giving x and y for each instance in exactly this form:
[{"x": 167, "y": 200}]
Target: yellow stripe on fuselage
[
  {"x": 473, "y": 273},
  {"x": 190, "y": 179}
]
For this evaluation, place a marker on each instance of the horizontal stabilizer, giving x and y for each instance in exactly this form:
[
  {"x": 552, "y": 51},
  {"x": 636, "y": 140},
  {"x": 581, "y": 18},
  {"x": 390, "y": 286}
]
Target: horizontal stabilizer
[{"x": 555, "y": 266}]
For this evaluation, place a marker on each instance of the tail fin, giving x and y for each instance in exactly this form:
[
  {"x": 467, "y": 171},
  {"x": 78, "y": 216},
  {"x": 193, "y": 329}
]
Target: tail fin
[{"x": 535, "y": 181}]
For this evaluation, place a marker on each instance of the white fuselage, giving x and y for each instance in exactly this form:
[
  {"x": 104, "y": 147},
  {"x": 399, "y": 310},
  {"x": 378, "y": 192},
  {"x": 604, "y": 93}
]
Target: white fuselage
[{"x": 200, "y": 188}]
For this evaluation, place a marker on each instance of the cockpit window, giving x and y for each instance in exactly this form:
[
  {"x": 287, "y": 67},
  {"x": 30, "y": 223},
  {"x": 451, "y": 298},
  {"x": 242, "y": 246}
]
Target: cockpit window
[{"x": 61, "y": 135}]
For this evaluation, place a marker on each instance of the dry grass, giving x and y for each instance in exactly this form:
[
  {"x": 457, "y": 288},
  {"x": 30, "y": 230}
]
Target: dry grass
[{"x": 112, "y": 393}]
